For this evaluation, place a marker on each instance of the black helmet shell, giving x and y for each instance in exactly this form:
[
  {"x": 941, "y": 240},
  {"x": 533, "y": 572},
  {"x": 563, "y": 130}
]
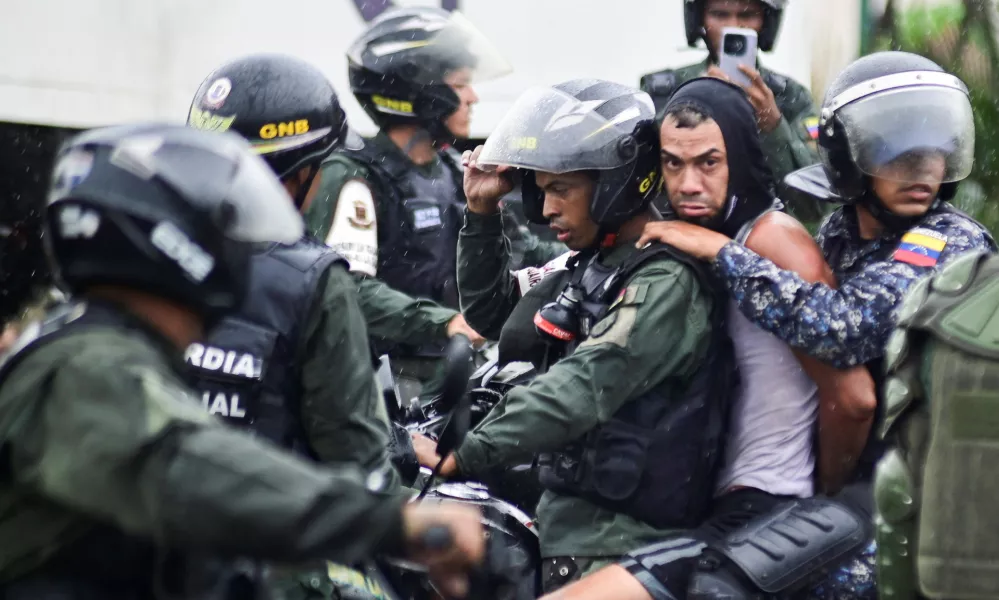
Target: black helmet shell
[
  {"x": 840, "y": 167},
  {"x": 693, "y": 20},
  {"x": 583, "y": 125},
  {"x": 397, "y": 67},
  {"x": 164, "y": 209},
  {"x": 286, "y": 108}
]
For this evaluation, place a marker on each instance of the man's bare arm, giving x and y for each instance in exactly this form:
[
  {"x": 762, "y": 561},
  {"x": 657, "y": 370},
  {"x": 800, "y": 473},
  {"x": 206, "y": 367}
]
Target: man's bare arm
[{"x": 847, "y": 398}]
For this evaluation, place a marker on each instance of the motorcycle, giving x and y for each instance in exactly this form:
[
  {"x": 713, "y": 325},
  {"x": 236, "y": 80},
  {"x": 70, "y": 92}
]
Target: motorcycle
[
  {"x": 511, "y": 568},
  {"x": 488, "y": 384}
]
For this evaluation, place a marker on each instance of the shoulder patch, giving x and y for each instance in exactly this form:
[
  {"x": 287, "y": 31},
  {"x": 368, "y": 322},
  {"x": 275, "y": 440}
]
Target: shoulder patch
[
  {"x": 614, "y": 328},
  {"x": 920, "y": 247},
  {"x": 632, "y": 295},
  {"x": 354, "y": 231}
]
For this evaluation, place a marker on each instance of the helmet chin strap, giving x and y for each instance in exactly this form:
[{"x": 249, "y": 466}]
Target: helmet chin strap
[
  {"x": 893, "y": 222},
  {"x": 421, "y": 135},
  {"x": 304, "y": 187}
]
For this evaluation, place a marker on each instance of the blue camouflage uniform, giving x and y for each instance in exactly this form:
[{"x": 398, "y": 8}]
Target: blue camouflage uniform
[
  {"x": 850, "y": 325},
  {"x": 847, "y": 326}
]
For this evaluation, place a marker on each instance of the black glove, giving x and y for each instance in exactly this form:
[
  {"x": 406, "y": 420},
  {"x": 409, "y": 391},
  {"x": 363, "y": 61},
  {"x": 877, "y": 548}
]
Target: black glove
[{"x": 403, "y": 455}]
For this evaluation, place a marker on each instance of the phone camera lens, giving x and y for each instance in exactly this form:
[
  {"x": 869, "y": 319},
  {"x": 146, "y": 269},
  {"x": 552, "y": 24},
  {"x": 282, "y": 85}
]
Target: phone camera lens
[{"x": 735, "y": 45}]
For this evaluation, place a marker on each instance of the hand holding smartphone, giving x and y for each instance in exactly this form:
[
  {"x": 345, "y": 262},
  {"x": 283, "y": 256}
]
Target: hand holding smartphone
[{"x": 739, "y": 47}]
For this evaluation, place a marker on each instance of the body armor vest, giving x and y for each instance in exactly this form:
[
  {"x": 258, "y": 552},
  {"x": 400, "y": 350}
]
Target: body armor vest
[
  {"x": 247, "y": 370},
  {"x": 657, "y": 458},
  {"x": 941, "y": 397},
  {"x": 419, "y": 219},
  {"x": 106, "y": 563}
]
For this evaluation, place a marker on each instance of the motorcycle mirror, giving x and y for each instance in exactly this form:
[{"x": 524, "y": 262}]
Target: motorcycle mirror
[
  {"x": 390, "y": 390},
  {"x": 458, "y": 370}
]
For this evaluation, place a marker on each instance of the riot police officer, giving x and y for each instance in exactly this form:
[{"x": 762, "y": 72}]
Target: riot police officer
[
  {"x": 784, "y": 109},
  {"x": 115, "y": 483},
  {"x": 400, "y": 188},
  {"x": 293, "y": 362},
  {"x": 392, "y": 204},
  {"x": 586, "y": 155}
]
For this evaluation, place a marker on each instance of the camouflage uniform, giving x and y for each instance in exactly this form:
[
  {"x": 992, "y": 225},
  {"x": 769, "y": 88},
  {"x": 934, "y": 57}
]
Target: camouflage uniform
[
  {"x": 625, "y": 356},
  {"x": 789, "y": 147},
  {"x": 102, "y": 440},
  {"x": 848, "y": 326},
  {"x": 937, "y": 515}
]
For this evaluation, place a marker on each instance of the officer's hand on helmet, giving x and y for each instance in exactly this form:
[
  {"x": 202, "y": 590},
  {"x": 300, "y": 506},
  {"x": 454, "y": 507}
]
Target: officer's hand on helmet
[
  {"x": 768, "y": 114},
  {"x": 426, "y": 454},
  {"x": 448, "y": 560},
  {"x": 459, "y": 326},
  {"x": 695, "y": 240},
  {"x": 484, "y": 188}
]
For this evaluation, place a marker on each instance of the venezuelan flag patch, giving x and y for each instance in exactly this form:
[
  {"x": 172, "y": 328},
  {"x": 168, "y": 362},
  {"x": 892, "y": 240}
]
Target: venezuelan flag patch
[
  {"x": 920, "y": 247},
  {"x": 812, "y": 126}
]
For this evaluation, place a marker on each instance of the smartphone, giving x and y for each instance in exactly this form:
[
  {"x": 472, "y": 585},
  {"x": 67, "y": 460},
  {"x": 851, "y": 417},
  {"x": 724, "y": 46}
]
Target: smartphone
[{"x": 738, "y": 48}]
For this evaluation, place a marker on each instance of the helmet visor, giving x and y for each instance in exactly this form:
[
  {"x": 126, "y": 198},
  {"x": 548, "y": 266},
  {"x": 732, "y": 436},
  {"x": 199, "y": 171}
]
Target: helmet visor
[
  {"x": 218, "y": 173},
  {"x": 264, "y": 211},
  {"x": 916, "y": 134},
  {"x": 426, "y": 51},
  {"x": 551, "y": 131}
]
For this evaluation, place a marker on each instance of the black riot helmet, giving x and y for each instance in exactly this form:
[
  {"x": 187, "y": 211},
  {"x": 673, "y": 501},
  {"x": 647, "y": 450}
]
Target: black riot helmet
[
  {"x": 773, "y": 12},
  {"x": 583, "y": 125},
  {"x": 283, "y": 106},
  {"x": 163, "y": 209},
  {"x": 892, "y": 115},
  {"x": 397, "y": 68}
]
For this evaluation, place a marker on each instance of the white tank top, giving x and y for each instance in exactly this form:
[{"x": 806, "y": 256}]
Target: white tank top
[{"x": 770, "y": 440}]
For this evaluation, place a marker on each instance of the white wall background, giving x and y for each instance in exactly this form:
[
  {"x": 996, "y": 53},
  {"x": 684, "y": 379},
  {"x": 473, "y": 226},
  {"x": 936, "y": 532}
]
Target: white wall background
[{"x": 93, "y": 62}]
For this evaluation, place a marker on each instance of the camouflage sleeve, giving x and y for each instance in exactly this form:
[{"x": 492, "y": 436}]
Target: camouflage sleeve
[
  {"x": 486, "y": 287},
  {"x": 844, "y": 327},
  {"x": 394, "y": 316},
  {"x": 343, "y": 413},
  {"x": 342, "y": 213},
  {"x": 625, "y": 356},
  {"x": 120, "y": 441}
]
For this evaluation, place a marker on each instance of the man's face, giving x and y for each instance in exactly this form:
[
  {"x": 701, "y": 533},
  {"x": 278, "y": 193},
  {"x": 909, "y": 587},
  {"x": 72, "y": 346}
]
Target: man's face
[
  {"x": 908, "y": 185},
  {"x": 459, "y": 122},
  {"x": 695, "y": 169},
  {"x": 719, "y": 14},
  {"x": 567, "y": 207}
]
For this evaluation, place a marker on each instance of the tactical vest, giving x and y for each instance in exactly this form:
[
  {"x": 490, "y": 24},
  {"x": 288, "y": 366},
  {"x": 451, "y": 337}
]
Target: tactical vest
[
  {"x": 106, "y": 563},
  {"x": 247, "y": 370},
  {"x": 942, "y": 418},
  {"x": 419, "y": 218},
  {"x": 658, "y": 457}
]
